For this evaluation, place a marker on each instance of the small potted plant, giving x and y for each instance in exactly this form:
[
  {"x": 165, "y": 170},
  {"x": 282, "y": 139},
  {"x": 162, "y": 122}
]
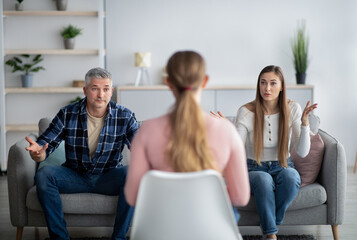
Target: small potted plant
[
  {"x": 300, "y": 49},
  {"x": 24, "y": 64},
  {"x": 61, "y": 5},
  {"x": 69, "y": 33},
  {"x": 19, "y": 6}
]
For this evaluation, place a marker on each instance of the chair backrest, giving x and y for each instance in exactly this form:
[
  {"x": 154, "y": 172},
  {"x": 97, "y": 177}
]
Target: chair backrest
[{"x": 186, "y": 206}]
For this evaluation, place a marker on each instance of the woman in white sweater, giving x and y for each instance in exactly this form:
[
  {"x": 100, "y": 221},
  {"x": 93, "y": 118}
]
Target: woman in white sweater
[{"x": 268, "y": 126}]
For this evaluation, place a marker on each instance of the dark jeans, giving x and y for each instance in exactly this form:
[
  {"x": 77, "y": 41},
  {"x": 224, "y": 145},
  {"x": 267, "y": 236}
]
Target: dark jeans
[{"x": 53, "y": 180}]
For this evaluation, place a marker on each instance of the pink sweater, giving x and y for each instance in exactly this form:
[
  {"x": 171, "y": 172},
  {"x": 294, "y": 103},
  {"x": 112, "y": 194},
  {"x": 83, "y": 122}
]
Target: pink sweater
[{"x": 148, "y": 152}]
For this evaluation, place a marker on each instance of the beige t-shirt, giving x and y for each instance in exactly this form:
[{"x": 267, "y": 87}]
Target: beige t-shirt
[{"x": 94, "y": 126}]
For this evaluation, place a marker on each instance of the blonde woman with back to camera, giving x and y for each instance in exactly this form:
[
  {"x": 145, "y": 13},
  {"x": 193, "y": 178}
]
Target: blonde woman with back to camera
[{"x": 187, "y": 139}]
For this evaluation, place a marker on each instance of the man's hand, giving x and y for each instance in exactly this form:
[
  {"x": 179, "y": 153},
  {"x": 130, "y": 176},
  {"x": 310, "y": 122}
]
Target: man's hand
[{"x": 37, "y": 153}]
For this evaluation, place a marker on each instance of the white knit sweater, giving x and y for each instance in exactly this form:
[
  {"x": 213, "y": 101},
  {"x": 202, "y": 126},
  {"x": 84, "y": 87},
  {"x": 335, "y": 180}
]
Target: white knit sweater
[{"x": 297, "y": 132}]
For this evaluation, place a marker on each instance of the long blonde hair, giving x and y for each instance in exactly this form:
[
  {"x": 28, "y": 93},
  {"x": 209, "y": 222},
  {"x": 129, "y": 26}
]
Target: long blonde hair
[
  {"x": 188, "y": 149},
  {"x": 258, "y": 108}
]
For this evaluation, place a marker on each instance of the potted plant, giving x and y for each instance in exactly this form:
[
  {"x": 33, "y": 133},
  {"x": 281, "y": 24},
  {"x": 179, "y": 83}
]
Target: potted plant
[
  {"x": 61, "y": 5},
  {"x": 19, "y": 6},
  {"x": 27, "y": 67},
  {"x": 300, "y": 49},
  {"x": 69, "y": 33}
]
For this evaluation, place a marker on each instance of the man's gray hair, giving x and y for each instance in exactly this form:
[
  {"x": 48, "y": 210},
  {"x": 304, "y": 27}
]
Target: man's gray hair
[{"x": 99, "y": 73}]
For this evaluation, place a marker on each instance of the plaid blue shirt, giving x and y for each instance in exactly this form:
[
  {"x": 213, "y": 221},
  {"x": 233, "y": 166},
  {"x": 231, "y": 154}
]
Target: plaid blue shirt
[{"x": 70, "y": 125}]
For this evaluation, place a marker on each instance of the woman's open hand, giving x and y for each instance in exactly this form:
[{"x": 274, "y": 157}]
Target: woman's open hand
[
  {"x": 305, "y": 114},
  {"x": 217, "y": 115}
]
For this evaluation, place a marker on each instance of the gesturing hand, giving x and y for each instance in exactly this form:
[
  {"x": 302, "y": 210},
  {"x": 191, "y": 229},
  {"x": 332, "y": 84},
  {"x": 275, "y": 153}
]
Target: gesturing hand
[
  {"x": 217, "y": 115},
  {"x": 37, "y": 152},
  {"x": 306, "y": 112}
]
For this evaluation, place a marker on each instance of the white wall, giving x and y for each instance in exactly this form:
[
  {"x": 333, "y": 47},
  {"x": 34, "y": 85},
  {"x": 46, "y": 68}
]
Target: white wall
[{"x": 238, "y": 38}]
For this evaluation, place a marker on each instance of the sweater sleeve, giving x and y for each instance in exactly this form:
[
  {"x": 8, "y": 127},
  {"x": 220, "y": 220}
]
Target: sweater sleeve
[
  {"x": 300, "y": 133},
  {"x": 138, "y": 166},
  {"x": 236, "y": 172},
  {"x": 241, "y": 125}
]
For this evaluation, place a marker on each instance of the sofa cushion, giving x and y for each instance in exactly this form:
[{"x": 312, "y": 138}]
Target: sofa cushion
[
  {"x": 314, "y": 122},
  {"x": 43, "y": 125},
  {"x": 78, "y": 203},
  {"x": 309, "y": 196},
  {"x": 309, "y": 166},
  {"x": 57, "y": 157}
]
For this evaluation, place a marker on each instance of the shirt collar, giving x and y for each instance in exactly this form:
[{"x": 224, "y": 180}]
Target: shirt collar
[{"x": 83, "y": 107}]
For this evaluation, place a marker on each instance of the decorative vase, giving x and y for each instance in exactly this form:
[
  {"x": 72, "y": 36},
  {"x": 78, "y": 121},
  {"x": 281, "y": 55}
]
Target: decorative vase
[
  {"x": 300, "y": 78},
  {"x": 61, "y": 5},
  {"x": 19, "y": 6},
  {"x": 27, "y": 80},
  {"x": 69, "y": 43}
]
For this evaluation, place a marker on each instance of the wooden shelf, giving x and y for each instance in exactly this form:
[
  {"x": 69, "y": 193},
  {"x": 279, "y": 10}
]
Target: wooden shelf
[
  {"x": 52, "y": 51},
  {"x": 44, "y": 90},
  {"x": 21, "y": 127},
  {"x": 51, "y": 13}
]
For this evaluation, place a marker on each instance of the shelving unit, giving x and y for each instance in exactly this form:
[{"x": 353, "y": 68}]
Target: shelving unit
[
  {"x": 52, "y": 51},
  {"x": 37, "y": 90},
  {"x": 45, "y": 90},
  {"x": 5, "y": 91},
  {"x": 21, "y": 128},
  {"x": 51, "y": 13}
]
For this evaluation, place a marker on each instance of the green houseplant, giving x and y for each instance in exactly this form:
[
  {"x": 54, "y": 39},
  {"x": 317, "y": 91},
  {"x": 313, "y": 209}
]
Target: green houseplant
[
  {"x": 69, "y": 33},
  {"x": 26, "y": 65},
  {"x": 300, "y": 50}
]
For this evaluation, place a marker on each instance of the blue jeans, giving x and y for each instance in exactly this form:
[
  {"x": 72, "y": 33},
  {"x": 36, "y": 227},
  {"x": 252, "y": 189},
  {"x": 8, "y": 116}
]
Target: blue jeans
[
  {"x": 274, "y": 188},
  {"x": 236, "y": 214},
  {"x": 52, "y": 180}
]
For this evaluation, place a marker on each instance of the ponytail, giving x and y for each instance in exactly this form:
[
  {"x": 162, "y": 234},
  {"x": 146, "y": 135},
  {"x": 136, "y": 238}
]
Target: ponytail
[{"x": 188, "y": 149}]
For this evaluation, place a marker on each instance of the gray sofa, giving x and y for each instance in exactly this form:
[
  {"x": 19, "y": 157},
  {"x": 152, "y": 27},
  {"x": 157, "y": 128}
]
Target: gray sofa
[{"x": 321, "y": 203}]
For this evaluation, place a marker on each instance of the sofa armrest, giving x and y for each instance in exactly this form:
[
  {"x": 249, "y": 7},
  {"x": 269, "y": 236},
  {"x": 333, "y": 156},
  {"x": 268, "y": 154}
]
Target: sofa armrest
[
  {"x": 21, "y": 171},
  {"x": 333, "y": 176}
]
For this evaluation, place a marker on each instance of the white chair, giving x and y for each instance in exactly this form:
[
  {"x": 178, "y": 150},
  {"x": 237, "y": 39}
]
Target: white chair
[{"x": 183, "y": 206}]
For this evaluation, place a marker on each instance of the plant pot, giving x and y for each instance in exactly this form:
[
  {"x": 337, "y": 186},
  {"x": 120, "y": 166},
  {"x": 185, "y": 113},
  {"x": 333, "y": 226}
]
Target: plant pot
[
  {"x": 61, "y": 5},
  {"x": 69, "y": 43},
  {"x": 19, "y": 6},
  {"x": 27, "y": 80},
  {"x": 300, "y": 78}
]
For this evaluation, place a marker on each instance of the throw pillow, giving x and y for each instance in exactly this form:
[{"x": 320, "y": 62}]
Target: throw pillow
[
  {"x": 314, "y": 122},
  {"x": 57, "y": 157},
  {"x": 309, "y": 167}
]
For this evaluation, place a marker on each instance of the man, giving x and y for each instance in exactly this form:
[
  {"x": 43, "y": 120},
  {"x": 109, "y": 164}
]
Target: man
[{"x": 95, "y": 130}]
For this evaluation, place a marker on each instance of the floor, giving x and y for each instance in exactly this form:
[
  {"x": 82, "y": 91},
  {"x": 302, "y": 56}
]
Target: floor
[{"x": 348, "y": 231}]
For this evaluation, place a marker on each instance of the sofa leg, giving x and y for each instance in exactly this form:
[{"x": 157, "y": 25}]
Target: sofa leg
[
  {"x": 37, "y": 233},
  {"x": 335, "y": 231},
  {"x": 19, "y": 233}
]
